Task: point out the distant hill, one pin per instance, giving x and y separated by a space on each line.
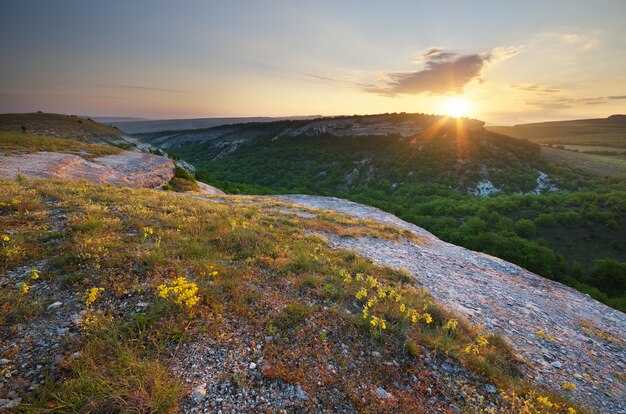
61 126
607 132
595 146
141 126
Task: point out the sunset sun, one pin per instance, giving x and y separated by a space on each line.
456 107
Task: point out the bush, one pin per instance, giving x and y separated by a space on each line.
525 228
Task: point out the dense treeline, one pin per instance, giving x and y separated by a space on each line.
574 236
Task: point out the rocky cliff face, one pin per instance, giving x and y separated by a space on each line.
129 169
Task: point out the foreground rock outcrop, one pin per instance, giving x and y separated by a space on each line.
130 169
569 340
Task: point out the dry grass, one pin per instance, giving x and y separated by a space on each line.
58 125
588 163
15 143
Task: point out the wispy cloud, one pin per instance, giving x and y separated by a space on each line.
565 103
535 88
55 95
146 88
442 73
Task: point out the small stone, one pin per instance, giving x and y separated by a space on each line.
301 394
199 393
55 305
447 367
491 389
4 361
252 365
381 393
8 404
556 364
376 354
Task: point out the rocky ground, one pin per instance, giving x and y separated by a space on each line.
130 169
565 336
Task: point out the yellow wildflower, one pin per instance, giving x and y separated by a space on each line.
402 308
427 318
570 410
5 237
569 386
451 325
481 341
24 288
181 291
34 274
545 401
92 295
361 293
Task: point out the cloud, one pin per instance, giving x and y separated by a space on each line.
146 88
531 87
443 72
323 77
582 41
565 103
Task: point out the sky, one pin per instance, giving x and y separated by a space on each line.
508 62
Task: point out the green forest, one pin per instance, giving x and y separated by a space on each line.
573 235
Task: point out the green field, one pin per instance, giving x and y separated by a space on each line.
606 132
601 165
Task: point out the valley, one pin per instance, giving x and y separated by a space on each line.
469 186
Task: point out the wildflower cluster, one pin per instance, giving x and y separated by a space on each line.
372 292
543 335
147 232
569 386
92 295
534 402
23 288
474 347
181 291
34 274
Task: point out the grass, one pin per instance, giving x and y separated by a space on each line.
16 143
606 166
241 259
58 125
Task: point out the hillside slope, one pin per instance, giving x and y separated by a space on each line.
40 145
594 146
608 132
62 126
147 301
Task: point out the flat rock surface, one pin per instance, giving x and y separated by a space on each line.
564 335
130 169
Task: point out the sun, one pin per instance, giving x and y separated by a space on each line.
456 107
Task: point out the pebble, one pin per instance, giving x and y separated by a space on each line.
381 393
55 305
252 365
491 389
301 394
448 368
199 393
8 404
